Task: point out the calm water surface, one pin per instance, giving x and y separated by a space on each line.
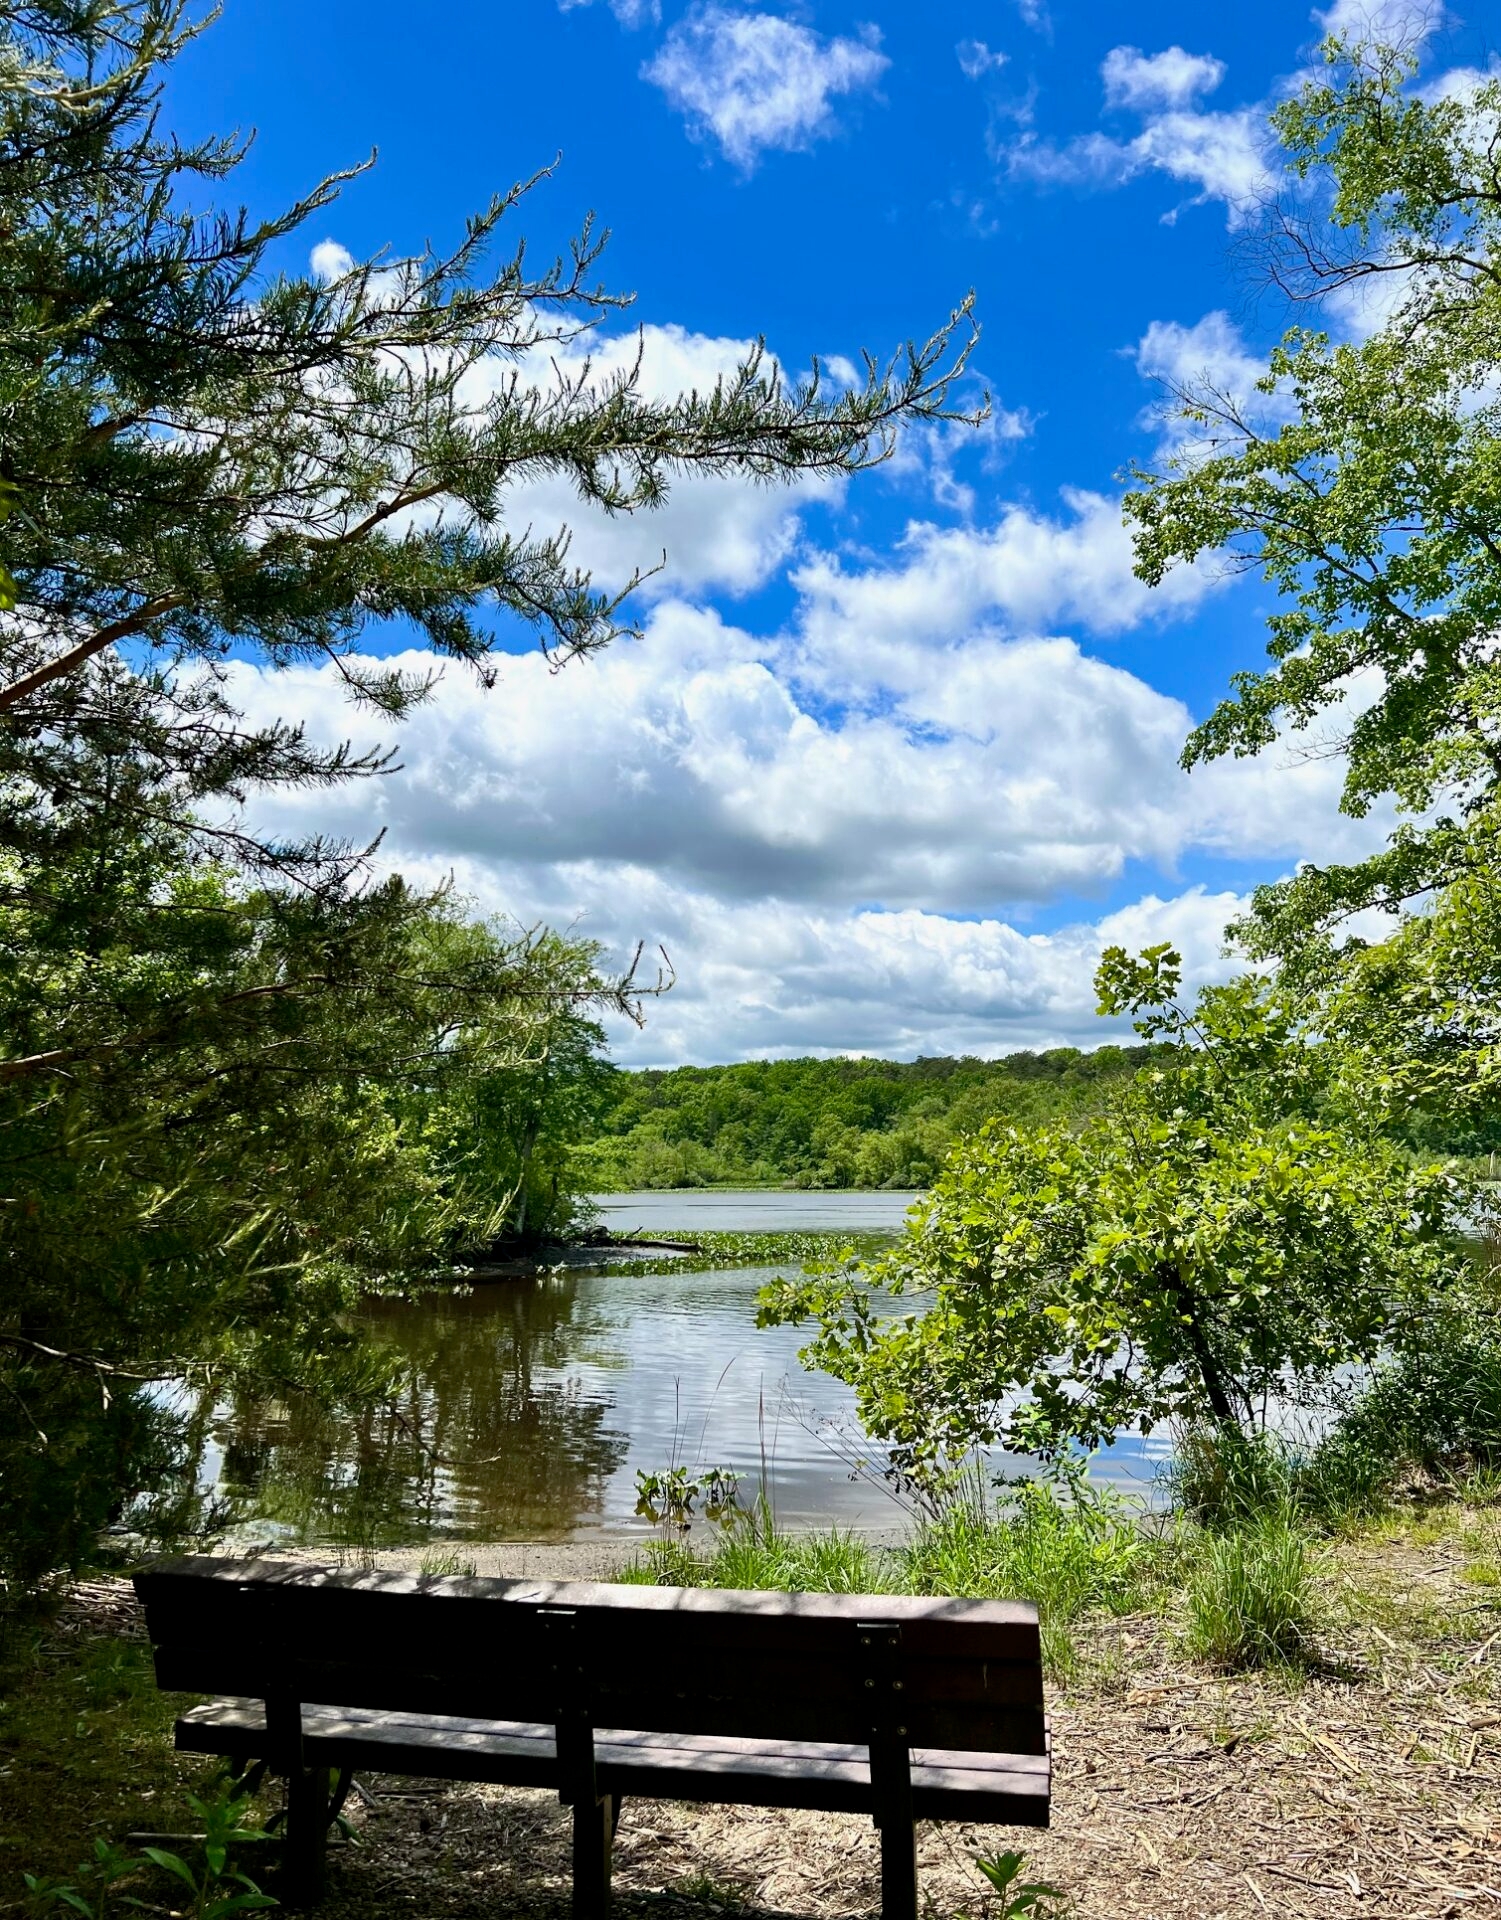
535 1402
750 1212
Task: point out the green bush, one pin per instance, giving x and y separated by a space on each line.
1250 1594
1221 1478
1434 1407
1438 1402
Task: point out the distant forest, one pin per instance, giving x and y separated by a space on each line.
829 1123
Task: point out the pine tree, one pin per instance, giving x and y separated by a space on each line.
212 1046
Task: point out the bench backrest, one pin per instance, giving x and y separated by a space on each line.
846 1668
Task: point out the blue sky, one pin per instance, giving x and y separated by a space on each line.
891 760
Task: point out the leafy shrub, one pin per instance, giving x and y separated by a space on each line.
1438 1402
1020 1900
1250 1594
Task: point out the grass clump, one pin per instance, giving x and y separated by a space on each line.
446 1562
1251 1598
755 1556
1072 1552
1223 1478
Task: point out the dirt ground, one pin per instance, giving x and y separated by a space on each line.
1368 1786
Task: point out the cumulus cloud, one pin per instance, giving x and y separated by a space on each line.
754 81
1211 353
328 261
900 983
1169 79
840 831
1405 23
678 791
1209 359
1224 155
1027 572
716 532
991 774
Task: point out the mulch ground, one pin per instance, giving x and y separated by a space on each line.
1370 1785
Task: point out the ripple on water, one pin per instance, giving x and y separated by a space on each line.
535 1402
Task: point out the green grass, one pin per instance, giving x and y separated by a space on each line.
755 1556
1071 1556
1251 1594
446 1561
85 1748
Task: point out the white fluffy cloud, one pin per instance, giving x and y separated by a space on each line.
328 261
1212 353
1210 359
841 831
1392 22
1223 155
869 624
1172 78
754 80
722 532
775 981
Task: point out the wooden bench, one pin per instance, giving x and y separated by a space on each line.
895 1707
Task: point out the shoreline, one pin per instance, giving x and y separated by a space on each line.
598 1559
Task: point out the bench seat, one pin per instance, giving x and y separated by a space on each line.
897 1706
1001 1788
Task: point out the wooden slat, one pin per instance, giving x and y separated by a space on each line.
1007 1788
997 1629
781 1666
976 1726
295 1575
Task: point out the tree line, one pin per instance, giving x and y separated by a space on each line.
848 1122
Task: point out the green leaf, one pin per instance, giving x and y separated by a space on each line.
171 1863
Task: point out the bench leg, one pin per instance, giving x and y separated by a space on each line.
594 1823
891 1804
304 1845
898 1871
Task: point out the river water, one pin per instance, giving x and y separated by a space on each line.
535 1402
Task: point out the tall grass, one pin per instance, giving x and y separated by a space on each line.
755 1555
1072 1553
1251 1599
1242 1565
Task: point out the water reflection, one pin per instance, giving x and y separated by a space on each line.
495 1438
534 1403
